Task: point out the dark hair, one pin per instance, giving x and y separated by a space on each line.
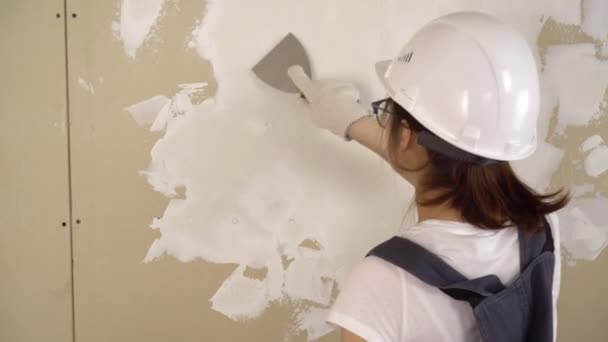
487 196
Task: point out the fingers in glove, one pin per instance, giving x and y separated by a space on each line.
299 77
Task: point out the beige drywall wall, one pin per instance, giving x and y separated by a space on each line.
35 276
114 290
583 302
117 297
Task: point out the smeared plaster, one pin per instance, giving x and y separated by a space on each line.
137 19
584 227
591 143
87 86
260 179
580 81
596 162
595 13
146 111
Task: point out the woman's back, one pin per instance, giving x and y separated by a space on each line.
381 302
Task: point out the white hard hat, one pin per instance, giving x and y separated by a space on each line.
472 81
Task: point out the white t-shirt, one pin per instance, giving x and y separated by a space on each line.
381 302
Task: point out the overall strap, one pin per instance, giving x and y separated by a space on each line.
432 270
418 261
532 245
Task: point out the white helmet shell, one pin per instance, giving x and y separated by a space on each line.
472 81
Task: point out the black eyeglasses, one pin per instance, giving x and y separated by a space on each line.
379 108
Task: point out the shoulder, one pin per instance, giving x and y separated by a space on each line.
370 303
374 268
372 280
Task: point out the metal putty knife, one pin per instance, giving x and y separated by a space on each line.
272 68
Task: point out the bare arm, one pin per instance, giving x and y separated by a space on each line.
367 132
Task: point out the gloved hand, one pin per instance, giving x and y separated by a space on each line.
333 104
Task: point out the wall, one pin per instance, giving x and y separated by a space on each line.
35 266
257 216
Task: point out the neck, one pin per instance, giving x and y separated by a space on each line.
442 211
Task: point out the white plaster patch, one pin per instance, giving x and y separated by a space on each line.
145 112
591 143
596 162
528 16
87 86
547 159
595 18
137 19
579 80
314 321
301 274
197 88
584 227
567 12
579 190
250 296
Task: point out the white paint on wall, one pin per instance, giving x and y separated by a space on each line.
259 179
591 143
547 158
579 190
595 18
584 227
87 86
193 88
596 162
136 23
528 16
267 188
567 12
579 80
313 320
146 111
241 297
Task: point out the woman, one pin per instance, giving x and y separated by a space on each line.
463 102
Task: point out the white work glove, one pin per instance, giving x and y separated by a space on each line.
333 105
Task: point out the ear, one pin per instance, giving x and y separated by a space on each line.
408 138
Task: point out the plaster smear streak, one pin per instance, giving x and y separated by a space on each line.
579 79
137 18
260 181
584 227
597 161
595 13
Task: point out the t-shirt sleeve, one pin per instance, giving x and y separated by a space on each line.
370 304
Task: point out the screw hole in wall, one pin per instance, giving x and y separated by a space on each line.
63 224
58 15
74 15
78 221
